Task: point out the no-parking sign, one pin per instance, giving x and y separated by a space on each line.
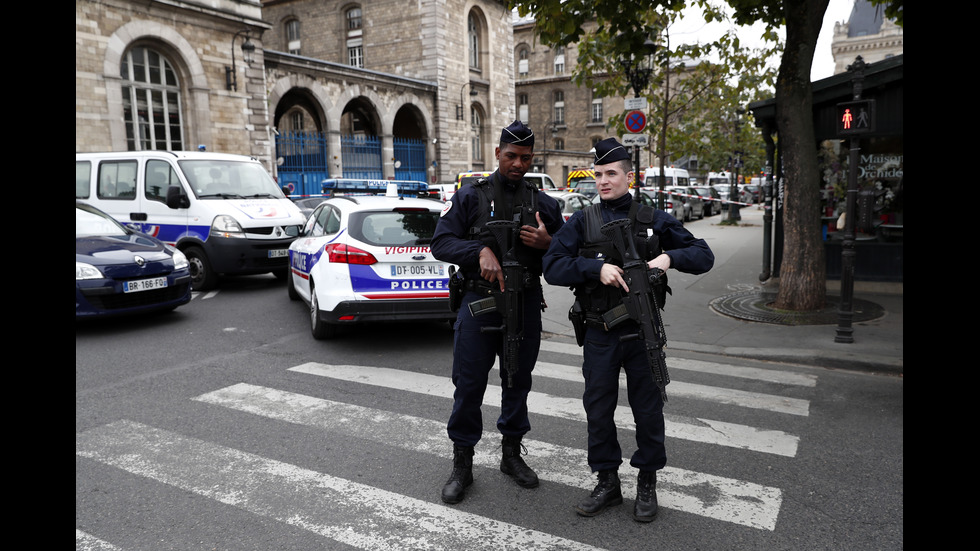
635 121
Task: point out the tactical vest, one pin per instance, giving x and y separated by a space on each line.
496 203
595 297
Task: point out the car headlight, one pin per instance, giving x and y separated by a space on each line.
180 260
87 271
226 226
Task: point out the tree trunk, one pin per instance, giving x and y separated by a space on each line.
803 272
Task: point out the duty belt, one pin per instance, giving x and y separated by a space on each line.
484 288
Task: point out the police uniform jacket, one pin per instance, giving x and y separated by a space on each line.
564 266
452 240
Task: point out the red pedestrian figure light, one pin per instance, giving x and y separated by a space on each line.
848 117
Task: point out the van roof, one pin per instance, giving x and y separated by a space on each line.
163 153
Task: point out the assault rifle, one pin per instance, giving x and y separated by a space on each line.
510 301
640 303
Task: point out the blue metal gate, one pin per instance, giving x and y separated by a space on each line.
362 157
411 154
304 165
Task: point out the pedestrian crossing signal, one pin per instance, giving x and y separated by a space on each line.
855 117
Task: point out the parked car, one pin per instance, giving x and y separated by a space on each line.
750 193
711 199
569 202
542 181
693 205
367 259
578 174
121 271
307 204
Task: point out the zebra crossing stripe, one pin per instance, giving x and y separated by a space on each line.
87 542
707 431
349 512
730 396
735 501
745 372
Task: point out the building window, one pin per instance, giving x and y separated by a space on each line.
474 41
151 102
522 108
476 130
296 120
595 140
596 109
560 60
522 62
559 144
292 37
355 40
559 112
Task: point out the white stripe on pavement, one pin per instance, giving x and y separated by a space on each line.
756 400
686 428
731 500
769 375
355 514
88 542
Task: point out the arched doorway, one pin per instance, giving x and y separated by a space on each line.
301 146
360 140
409 143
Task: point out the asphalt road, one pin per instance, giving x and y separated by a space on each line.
225 425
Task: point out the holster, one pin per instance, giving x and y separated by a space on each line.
576 315
455 289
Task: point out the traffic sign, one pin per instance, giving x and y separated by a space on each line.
855 117
636 139
635 121
635 103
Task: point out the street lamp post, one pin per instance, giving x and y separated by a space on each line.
733 213
638 73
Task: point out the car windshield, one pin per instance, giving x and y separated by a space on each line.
393 228
90 223
223 179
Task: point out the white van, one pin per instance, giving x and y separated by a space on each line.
225 212
675 177
542 181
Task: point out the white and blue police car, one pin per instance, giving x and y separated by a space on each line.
366 258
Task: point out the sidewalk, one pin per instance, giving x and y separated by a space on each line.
692 324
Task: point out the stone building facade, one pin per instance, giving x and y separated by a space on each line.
866 33
434 72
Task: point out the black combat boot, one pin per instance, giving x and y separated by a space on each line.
462 475
511 463
646 507
605 494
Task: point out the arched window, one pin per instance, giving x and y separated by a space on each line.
474 42
151 101
292 36
522 62
476 131
355 38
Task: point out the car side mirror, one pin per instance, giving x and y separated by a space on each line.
176 198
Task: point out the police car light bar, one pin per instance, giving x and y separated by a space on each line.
354 186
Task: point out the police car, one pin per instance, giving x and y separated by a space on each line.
366 258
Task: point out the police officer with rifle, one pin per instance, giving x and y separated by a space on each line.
496 230
615 255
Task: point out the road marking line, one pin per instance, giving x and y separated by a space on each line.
354 514
731 500
687 428
769 375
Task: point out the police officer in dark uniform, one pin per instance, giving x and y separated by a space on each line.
582 257
462 239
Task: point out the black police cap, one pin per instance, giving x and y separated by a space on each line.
518 134
609 151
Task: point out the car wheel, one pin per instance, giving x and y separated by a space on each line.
318 327
203 277
291 287
701 214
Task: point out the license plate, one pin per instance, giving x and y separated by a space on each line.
144 285
276 253
418 270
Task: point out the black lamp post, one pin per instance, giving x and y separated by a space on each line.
460 108
733 213
231 76
638 71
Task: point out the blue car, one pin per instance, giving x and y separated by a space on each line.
120 271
